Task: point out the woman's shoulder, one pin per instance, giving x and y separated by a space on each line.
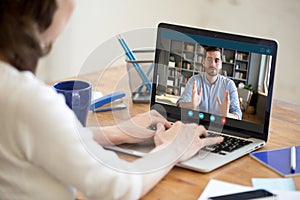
16 80
24 91
29 86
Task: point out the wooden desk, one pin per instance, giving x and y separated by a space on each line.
185 184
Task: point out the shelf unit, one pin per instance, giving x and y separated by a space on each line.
235 65
185 60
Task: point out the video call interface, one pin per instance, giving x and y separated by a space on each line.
182 56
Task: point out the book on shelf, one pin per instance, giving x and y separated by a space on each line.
175 82
243 66
200 49
187 65
173 72
239 75
190 47
242 56
188 56
200 59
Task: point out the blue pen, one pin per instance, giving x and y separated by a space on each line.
293 159
138 68
131 56
148 73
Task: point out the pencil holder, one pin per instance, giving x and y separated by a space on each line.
140 72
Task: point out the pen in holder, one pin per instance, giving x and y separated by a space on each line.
140 87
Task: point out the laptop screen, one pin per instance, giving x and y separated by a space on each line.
220 80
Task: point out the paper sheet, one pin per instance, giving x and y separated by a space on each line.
216 188
274 184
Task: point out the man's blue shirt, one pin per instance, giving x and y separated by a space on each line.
210 92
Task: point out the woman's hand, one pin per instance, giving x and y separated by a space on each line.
136 129
184 138
142 126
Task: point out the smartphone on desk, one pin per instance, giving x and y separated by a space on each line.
260 194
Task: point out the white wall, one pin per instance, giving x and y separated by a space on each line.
96 22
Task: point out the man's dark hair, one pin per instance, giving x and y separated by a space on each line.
21 25
211 48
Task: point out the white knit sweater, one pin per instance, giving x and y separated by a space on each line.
41 153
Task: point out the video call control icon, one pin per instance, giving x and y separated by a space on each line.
223 120
201 115
190 113
212 118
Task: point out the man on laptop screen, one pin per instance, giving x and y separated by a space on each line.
210 91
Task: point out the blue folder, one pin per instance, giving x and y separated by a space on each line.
279 160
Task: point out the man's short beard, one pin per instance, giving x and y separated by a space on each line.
212 73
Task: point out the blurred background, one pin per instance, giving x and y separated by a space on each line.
97 22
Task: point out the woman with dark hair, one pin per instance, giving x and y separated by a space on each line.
41 154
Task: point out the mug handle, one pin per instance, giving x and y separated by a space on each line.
75 99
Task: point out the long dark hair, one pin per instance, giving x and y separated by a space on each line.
21 25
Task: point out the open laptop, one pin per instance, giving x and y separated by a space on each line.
248 61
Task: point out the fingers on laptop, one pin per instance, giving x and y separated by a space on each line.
212 140
162 136
202 131
156 117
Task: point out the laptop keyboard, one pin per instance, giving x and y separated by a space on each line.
228 145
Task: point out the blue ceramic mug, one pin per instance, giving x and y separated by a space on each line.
78 96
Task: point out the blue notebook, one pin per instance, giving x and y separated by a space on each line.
279 160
